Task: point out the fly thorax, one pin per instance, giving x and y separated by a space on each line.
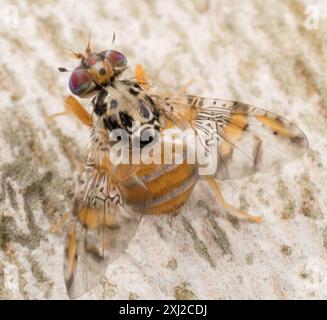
126 110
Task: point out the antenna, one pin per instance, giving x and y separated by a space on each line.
113 38
88 50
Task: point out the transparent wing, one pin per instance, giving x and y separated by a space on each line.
248 139
100 227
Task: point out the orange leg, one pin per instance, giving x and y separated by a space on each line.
233 211
141 77
73 107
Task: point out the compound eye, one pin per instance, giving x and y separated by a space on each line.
116 59
80 82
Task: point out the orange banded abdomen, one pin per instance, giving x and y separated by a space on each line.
160 189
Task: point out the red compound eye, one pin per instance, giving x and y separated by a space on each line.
116 59
80 82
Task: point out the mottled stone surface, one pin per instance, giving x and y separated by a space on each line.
260 52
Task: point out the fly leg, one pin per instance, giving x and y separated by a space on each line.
141 77
233 211
73 107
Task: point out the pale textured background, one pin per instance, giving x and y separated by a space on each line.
256 51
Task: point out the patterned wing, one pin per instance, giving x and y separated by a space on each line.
100 228
247 139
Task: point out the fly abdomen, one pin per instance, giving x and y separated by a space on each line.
168 187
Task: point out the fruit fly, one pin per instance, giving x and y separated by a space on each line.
112 197
95 70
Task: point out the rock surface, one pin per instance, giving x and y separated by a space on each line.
267 53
